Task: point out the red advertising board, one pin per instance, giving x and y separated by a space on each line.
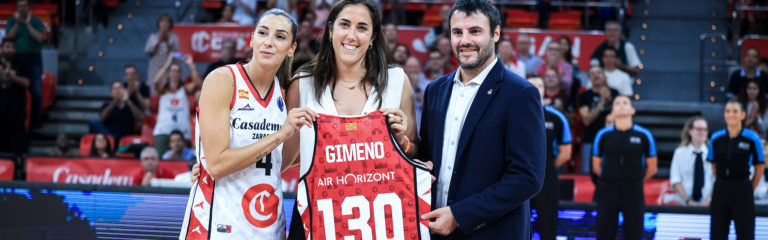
98 171
6 169
290 179
755 41
204 41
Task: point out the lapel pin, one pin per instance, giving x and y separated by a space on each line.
490 91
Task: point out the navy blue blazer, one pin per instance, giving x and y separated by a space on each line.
500 159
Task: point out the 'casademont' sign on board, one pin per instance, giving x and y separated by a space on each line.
98 171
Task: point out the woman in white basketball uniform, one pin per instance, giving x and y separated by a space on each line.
242 123
350 77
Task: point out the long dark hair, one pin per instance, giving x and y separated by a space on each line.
284 72
323 66
762 102
568 56
94 152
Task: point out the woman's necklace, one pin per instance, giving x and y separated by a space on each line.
354 85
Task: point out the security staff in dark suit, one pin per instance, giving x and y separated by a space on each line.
558 152
733 151
483 127
624 156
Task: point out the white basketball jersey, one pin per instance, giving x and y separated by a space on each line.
246 204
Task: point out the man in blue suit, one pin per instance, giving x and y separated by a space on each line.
483 128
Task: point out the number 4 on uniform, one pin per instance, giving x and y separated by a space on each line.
266 164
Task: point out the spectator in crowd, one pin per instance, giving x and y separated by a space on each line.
228 55
554 93
436 66
390 34
444 46
173 109
763 65
624 156
321 8
160 46
178 148
227 13
101 146
690 176
748 71
309 16
119 116
525 54
733 151
288 6
62 149
565 47
555 60
245 11
753 97
617 79
594 106
419 83
439 30
150 169
630 62
138 91
307 46
13 98
27 31
400 54
507 56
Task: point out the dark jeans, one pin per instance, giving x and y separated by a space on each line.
13 137
31 66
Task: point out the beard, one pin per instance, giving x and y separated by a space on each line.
482 57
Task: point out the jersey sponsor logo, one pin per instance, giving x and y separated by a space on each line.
246 108
743 146
354 152
549 125
280 103
224 228
239 124
350 126
260 205
242 94
635 140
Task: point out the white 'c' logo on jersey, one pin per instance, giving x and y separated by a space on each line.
260 205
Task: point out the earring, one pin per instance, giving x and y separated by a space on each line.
371 45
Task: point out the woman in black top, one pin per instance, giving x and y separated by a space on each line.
733 151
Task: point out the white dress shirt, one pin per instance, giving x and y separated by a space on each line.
458 107
681 170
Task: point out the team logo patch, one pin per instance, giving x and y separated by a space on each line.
744 146
635 140
350 126
260 205
242 94
280 103
175 102
549 125
246 108
224 228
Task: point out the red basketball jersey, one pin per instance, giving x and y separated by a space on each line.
361 184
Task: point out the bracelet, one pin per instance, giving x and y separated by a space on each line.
407 144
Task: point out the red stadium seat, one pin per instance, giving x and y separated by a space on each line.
87 140
49 91
148 127
7 168
154 102
517 18
211 4
568 20
110 3
135 139
192 130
